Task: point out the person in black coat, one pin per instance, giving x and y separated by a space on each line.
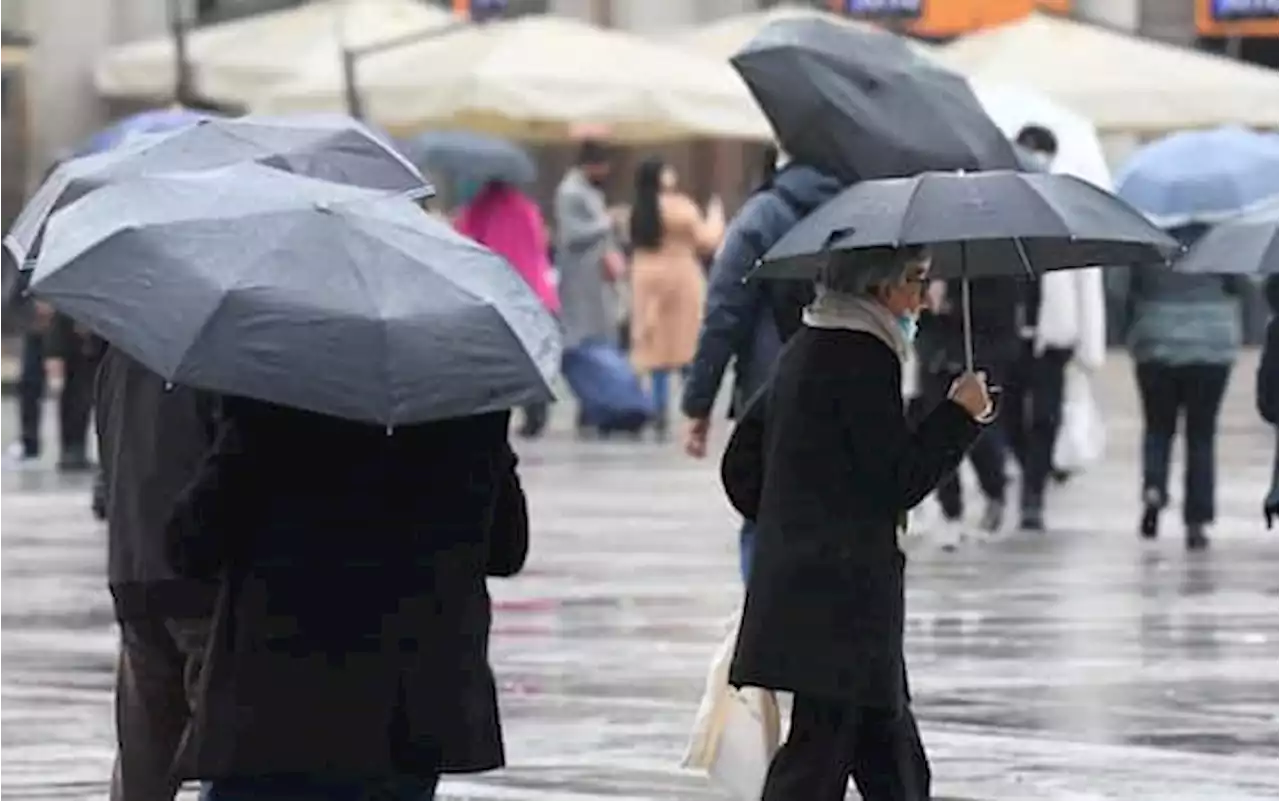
1267 393
152 440
348 651
827 467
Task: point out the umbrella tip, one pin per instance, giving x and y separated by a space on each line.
390 430
168 386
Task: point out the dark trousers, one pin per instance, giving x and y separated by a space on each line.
74 404
1031 414
155 686
1194 393
830 741
987 454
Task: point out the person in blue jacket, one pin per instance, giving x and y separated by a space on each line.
738 322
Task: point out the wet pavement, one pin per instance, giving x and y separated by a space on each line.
1083 664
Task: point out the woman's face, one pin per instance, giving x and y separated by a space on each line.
905 298
668 180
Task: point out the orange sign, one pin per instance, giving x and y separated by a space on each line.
1229 18
946 18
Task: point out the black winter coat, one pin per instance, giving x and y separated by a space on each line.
833 470
350 639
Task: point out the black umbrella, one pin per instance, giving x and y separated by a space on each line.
860 104
471 158
251 281
1245 245
975 224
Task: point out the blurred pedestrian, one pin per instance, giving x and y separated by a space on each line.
505 220
348 654
1063 320
669 234
827 466
1184 334
738 323
152 439
995 309
588 255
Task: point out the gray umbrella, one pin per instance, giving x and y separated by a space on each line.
250 281
470 158
1245 245
860 104
332 147
975 224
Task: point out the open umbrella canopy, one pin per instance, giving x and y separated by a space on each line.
249 281
976 224
536 78
1121 82
332 147
154 121
470 158
724 37
232 62
861 104
1244 245
1202 176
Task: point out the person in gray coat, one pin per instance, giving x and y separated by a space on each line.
1184 333
738 321
587 252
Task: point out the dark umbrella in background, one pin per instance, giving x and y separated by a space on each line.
975 224
471 159
1244 245
251 281
860 104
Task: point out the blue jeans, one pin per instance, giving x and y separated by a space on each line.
302 788
746 548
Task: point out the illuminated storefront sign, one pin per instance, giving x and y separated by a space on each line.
1231 18
947 18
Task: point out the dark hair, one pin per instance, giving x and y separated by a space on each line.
593 151
1038 138
646 219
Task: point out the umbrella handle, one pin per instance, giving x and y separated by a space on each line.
965 313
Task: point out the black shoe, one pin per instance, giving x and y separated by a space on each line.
1033 518
1197 540
1149 526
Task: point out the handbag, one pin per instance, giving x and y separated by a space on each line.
737 731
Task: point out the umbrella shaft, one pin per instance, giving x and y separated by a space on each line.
965 312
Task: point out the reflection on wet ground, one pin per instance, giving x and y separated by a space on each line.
1083 664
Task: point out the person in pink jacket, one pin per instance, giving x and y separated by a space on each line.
508 222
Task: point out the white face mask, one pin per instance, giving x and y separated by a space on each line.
1041 160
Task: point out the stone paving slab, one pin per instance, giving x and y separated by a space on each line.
1079 666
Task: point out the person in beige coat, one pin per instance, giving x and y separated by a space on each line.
669 236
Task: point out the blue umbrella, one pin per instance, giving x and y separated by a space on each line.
1202 176
154 121
471 159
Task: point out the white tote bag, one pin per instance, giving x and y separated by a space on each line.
1082 438
737 731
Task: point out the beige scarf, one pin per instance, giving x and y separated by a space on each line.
836 310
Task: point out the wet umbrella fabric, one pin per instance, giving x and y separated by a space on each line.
330 147
250 281
154 121
1245 245
860 104
976 224
1202 176
472 159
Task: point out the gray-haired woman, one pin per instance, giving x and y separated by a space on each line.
826 466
